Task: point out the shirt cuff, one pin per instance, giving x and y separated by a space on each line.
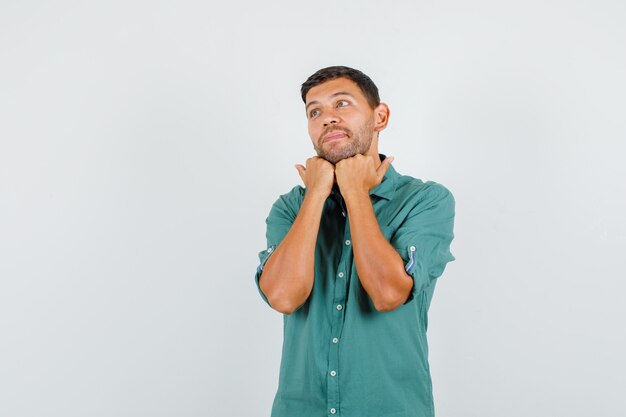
424 273
263 257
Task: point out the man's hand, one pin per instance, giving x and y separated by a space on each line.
359 174
318 176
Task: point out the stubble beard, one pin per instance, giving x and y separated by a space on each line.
355 143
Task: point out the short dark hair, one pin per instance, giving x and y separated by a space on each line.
365 83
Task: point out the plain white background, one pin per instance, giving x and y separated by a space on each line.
142 144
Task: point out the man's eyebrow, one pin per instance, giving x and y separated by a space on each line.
334 95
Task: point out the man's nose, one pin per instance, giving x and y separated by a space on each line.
331 118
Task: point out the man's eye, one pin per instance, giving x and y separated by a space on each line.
342 101
314 112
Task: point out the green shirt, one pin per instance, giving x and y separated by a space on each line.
341 357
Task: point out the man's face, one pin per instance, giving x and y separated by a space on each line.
341 122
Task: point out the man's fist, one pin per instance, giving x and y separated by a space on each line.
359 174
318 176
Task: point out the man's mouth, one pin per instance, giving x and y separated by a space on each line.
334 136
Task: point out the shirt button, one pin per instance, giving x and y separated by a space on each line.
270 250
412 248
347 242
333 411
340 275
335 340
333 373
339 306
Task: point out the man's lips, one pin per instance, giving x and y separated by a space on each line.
334 136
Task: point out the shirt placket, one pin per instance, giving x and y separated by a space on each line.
342 273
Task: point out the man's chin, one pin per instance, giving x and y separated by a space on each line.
334 159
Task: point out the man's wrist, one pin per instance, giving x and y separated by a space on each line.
356 195
316 195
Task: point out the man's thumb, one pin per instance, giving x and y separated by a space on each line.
301 171
382 169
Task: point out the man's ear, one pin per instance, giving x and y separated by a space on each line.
381 117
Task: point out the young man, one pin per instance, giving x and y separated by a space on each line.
351 261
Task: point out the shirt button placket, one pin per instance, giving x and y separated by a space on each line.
337 318
333 360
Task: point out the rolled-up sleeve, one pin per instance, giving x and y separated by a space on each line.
423 240
278 222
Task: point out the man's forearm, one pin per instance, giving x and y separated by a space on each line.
287 279
379 266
